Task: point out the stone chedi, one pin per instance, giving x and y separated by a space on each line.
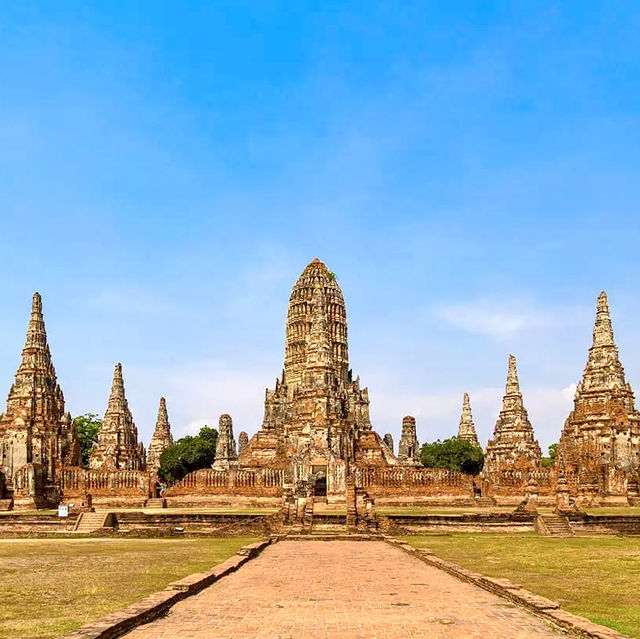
466 427
388 440
243 441
316 419
513 445
161 439
36 434
118 446
600 442
408 447
226 454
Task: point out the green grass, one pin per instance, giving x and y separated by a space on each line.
614 511
595 577
51 587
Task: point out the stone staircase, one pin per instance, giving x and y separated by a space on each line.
154 502
91 521
484 502
554 525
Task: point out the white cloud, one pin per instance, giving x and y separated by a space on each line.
503 319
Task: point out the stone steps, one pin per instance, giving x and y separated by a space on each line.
484 502
554 525
90 522
155 503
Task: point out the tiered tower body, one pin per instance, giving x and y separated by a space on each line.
118 446
408 447
226 454
600 442
514 445
466 428
317 412
36 434
161 439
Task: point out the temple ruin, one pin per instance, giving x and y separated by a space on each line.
316 440
599 451
466 427
118 446
161 439
35 431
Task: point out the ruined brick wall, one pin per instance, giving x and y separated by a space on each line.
76 482
380 482
513 483
234 481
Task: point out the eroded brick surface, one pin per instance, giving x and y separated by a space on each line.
343 589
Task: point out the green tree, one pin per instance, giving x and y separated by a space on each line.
87 427
454 454
188 454
549 461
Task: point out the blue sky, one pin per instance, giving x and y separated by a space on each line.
470 170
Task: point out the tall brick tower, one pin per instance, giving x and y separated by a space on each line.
600 442
36 434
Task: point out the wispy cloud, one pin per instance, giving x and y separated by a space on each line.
502 319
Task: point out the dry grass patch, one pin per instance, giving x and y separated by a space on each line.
443 510
49 587
595 577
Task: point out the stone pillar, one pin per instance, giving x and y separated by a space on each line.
243 442
226 455
563 503
388 440
408 448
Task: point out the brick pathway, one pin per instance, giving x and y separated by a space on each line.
342 589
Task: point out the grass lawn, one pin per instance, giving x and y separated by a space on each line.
49 587
595 577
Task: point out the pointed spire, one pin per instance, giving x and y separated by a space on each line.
163 418
117 397
36 333
36 401
602 330
118 444
513 385
466 428
161 439
513 443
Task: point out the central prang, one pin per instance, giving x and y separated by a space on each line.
317 415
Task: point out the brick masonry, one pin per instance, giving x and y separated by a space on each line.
343 589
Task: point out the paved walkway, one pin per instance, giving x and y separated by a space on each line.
342 589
